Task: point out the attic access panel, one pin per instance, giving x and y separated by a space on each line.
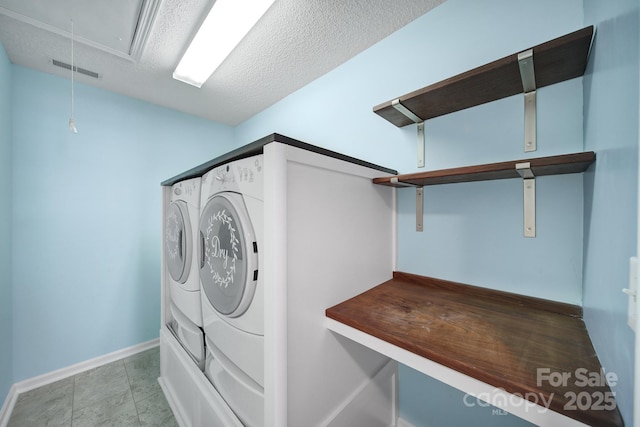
115 26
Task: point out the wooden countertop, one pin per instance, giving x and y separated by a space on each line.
499 338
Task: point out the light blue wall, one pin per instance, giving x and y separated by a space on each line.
611 187
86 217
473 232
427 402
6 375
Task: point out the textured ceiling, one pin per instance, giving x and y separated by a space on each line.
294 43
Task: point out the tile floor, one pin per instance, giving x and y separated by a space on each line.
123 393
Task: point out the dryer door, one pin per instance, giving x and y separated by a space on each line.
177 241
228 254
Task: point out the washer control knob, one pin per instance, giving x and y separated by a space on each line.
177 191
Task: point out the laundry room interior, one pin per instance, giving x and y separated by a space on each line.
83 230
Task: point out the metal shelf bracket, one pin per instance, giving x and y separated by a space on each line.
409 114
529 197
419 208
528 76
419 200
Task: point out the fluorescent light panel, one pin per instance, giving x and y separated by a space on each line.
225 26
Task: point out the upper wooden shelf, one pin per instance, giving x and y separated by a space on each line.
552 165
497 338
555 61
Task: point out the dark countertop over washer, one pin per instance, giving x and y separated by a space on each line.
257 147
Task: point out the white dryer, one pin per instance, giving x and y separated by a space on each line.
230 257
180 255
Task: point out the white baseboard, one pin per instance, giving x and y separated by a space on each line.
59 374
7 407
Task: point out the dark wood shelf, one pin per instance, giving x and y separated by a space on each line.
555 61
552 165
498 338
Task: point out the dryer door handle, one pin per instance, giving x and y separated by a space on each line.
180 245
201 249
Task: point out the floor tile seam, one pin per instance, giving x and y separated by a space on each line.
149 398
92 388
114 401
135 404
153 396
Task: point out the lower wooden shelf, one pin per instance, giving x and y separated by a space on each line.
529 356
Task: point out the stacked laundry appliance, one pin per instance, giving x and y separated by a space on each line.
284 230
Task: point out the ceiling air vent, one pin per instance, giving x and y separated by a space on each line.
79 70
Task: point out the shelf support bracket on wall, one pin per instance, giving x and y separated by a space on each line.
419 200
529 205
528 76
408 113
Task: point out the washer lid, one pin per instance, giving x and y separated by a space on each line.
177 241
228 254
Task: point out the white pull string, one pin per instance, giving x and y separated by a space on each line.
72 122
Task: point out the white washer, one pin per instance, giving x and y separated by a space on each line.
180 254
230 256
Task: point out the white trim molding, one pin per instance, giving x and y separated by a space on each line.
148 13
7 407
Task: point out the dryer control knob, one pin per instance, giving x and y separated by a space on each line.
177 191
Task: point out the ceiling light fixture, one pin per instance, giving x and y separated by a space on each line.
227 23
